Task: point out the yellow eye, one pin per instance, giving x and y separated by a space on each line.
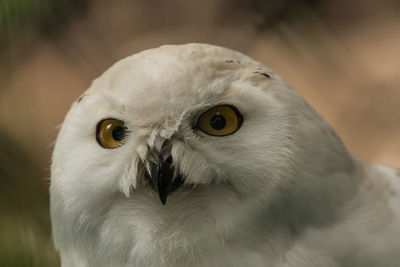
220 120
111 133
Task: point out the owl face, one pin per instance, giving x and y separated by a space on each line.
177 120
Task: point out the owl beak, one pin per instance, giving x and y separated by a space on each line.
163 177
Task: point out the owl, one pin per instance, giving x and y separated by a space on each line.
197 155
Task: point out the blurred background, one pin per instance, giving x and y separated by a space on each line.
343 56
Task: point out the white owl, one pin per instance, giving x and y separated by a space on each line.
197 155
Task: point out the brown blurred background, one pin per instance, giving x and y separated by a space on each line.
342 56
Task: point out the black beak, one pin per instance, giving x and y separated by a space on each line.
163 177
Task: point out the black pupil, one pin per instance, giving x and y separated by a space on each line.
217 122
118 133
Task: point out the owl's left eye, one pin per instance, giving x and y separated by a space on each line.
111 133
220 120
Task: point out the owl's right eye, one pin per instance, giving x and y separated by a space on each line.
111 133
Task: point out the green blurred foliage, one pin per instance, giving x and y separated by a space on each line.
39 17
25 235
265 15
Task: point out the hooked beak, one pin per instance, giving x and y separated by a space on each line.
163 177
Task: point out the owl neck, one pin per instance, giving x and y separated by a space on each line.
324 178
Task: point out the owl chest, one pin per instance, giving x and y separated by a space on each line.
201 243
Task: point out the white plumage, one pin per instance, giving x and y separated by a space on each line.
278 190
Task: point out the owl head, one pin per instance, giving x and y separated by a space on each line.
184 123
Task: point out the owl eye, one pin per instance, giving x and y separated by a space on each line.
111 133
220 120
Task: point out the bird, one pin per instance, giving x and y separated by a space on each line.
198 155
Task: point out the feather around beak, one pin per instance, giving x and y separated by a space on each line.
162 176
